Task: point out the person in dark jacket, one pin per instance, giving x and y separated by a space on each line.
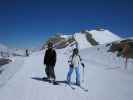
50 61
27 53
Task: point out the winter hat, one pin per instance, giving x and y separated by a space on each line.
75 51
50 44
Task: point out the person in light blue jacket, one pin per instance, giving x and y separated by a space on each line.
74 61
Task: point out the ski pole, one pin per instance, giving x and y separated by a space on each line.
83 75
83 71
126 61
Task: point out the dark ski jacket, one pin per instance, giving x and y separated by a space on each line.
50 57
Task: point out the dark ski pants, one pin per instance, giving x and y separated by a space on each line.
50 71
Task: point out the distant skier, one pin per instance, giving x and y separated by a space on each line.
74 61
27 53
50 61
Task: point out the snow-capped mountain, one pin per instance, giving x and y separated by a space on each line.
89 38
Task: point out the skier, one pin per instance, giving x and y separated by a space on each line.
50 61
27 53
74 61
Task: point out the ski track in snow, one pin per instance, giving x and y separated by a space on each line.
102 84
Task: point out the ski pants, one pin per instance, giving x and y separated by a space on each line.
50 71
77 74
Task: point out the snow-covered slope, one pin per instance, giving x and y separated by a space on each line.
18 52
8 70
5 51
105 78
66 36
81 40
103 36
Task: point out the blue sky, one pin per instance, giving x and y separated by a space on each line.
28 23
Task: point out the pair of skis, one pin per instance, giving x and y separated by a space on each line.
81 87
72 86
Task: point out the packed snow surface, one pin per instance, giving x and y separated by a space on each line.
105 78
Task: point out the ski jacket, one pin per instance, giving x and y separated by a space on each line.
50 57
75 60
